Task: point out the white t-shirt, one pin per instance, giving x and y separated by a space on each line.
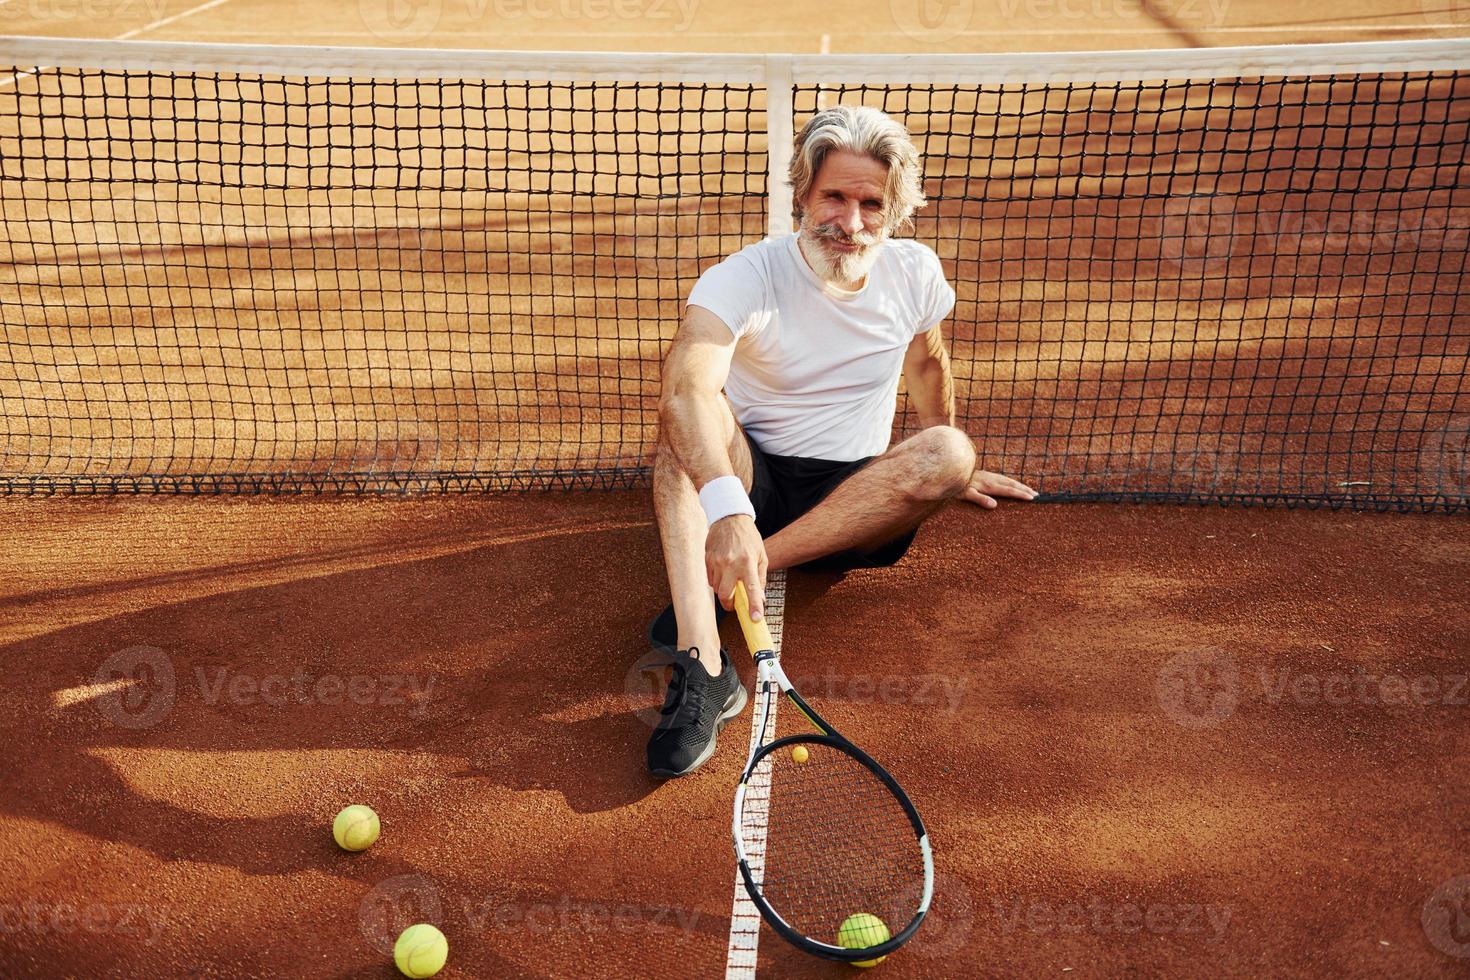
816 368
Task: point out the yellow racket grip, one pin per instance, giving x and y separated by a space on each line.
757 635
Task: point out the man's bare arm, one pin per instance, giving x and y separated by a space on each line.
689 408
930 384
928 378
693 420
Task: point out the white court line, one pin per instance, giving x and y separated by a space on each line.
14 77
745 922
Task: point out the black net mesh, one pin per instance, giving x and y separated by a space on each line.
1210 290
1223 289
245 282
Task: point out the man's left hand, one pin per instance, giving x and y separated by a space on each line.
986 486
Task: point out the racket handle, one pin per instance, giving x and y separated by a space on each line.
757 635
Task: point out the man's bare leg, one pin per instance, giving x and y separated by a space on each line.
682 527
884 499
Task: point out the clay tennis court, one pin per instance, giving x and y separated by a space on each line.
1146 739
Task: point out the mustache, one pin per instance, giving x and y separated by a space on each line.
862 239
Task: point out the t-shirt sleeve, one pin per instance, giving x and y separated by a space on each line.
936 295
735 291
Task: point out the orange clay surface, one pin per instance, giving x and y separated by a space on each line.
1118 721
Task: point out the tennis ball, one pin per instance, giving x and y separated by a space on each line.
420 951
355 828
861 930
799 754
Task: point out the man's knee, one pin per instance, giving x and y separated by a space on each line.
944 459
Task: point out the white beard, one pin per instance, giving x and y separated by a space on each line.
840 268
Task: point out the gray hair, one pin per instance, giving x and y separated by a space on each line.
860 129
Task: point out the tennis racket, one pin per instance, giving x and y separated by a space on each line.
826 839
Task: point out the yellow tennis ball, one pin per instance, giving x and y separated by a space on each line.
799 754
861 930
420 951
355 828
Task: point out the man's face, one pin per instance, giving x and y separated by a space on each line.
842 226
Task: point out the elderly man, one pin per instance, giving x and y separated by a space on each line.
807 336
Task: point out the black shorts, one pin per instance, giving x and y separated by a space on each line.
785 487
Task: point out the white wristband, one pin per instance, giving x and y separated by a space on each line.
724 497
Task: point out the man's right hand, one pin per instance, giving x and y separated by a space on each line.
734 552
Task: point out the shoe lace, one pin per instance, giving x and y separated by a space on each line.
683 700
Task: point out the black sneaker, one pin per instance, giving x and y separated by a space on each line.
663 632
695 708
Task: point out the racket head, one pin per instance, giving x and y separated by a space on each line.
840 837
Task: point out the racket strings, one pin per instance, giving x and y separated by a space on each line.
837 843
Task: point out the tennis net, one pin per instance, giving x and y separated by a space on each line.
1229 275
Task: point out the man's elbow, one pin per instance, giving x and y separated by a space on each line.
677 398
